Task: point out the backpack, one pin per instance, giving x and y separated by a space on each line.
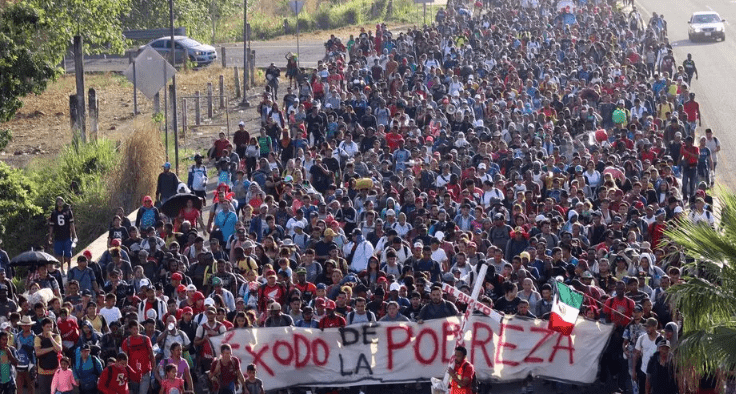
474 383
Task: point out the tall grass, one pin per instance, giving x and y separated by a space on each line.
141 158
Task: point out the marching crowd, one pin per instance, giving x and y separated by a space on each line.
548 140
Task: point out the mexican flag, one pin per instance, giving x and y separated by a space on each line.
565 309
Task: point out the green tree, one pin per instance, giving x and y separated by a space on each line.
26 65
35 34
707 298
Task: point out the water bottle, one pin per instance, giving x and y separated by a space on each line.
74 242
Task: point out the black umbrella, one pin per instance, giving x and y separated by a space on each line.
32 258
173 205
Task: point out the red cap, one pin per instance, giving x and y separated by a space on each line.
177 276
187 309
87 254
115 242
181 289
329 304
381 279
319 302
270 273
198 296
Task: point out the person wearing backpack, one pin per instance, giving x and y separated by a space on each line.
8 359
87 369
142 359
115 377
24 341
462 374
210 328
360 314
197 177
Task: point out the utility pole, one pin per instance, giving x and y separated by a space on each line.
245 103
173 88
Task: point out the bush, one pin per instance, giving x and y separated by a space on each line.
20 217
5 137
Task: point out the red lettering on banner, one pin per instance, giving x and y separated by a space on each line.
570 348
228 337
449 328
547 334
257 358
393 345
283 361
317 343
299 341
418 344
477 342
502 344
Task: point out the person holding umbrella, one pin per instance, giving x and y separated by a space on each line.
62 232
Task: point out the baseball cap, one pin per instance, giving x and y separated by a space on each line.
187 309
181 289
321 286
241 123
274 307
176 276
191 288
167 165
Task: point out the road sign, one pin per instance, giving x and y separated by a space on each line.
148 73
296 6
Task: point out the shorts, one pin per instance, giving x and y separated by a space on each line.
63 248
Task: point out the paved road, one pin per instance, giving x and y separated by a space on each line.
266 52
716 86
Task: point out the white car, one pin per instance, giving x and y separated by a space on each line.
706 25
195 51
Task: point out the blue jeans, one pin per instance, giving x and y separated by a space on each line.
142 387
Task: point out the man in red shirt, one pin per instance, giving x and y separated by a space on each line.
461 375
142 359
689 163
114 379
332 319
620 308
692 109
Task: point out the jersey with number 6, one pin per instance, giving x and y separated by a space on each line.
61 221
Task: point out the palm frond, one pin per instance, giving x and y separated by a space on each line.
702 303
707 351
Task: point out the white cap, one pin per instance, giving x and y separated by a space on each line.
394 286
678 210
191 288
390 212
209 301
241 123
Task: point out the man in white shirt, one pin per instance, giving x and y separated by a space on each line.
360 249
644 349
701 215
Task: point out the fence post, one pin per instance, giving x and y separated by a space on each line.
94 113
73 112
183 116
223 51
197 108
237 83
252 67
209 100
130 57
222 91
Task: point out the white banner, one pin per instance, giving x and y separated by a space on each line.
501 349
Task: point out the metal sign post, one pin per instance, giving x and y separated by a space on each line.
296 7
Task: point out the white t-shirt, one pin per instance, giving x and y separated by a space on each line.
647 347
111 314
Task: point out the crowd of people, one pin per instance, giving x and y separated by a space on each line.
552 143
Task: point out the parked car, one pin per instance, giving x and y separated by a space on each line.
707 25
195 51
